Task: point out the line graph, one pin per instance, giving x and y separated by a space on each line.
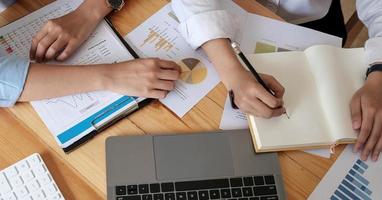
78 102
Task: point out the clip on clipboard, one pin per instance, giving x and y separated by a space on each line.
100 124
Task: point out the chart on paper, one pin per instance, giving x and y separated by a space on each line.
159 37
350 178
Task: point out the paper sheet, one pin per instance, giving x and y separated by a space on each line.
158 37
235 119
103 46
350 178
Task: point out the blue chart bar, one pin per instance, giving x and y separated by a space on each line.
354 185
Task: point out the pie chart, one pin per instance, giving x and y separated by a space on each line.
193 71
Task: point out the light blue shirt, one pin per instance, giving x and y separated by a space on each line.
13 73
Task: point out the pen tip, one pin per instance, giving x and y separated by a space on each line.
287 115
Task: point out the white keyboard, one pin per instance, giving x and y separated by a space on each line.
28 179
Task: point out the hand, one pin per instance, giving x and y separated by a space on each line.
60 37
366 114
252 98
151 78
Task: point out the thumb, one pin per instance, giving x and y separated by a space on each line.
356 112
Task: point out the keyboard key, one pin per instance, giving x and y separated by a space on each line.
201 185
44 179
143 189
147 197
247 192
132 189
55 197
254 198
269 198
9 196
38 195
203 195
134 197
22 166
158 197
248 181
225 193
40 169
264 190
214 194
169 196
4 186
192 195
34 161
120 190
11 172
236 192
243 198
181 196
236 182
154 188
27 176
16 181
259 180
50 190
167 187
21 191
269 180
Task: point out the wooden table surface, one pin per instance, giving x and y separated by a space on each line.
81 174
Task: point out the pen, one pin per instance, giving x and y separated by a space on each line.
237 50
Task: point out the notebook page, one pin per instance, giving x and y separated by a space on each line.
306 124
60 114
338 73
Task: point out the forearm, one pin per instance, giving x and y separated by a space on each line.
226 63
49 81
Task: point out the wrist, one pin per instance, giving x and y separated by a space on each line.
94 10
101 77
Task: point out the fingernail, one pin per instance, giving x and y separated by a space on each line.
375 158
356 125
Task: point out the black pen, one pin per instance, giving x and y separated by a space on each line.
237 50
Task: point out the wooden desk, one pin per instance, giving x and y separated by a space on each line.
81 174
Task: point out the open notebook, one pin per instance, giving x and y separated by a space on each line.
319 83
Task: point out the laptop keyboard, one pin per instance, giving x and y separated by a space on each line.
239 188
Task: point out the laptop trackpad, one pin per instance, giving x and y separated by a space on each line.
193 156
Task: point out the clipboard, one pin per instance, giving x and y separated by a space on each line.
107 117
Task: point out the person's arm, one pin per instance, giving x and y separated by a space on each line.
23 81
60 37
151 78
366 104
203 24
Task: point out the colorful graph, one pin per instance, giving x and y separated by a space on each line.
193 71
160 38
354 186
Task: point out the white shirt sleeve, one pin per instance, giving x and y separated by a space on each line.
370 13
202 21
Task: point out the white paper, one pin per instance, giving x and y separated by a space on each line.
158 37
103 46
350 176
232 119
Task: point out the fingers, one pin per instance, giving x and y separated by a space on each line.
372 140
35 41
377 150
172 75
274 85
267 98
169 65
43 46
356 112
164 85
55 48
156 94
258 108
69 50
366 127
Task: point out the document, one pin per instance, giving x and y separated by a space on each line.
350 178
158 37
68 117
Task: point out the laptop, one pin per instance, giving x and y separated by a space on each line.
219 165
